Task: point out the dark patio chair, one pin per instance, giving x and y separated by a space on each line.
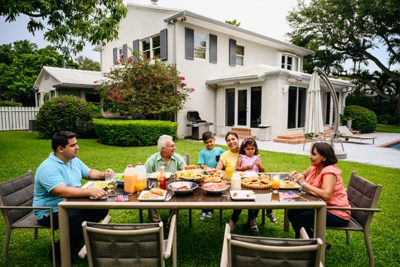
140 244
16 198
363 197
240 250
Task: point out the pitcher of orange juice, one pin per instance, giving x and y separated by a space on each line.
228 171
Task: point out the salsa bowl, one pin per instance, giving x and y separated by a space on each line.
182 188
215 188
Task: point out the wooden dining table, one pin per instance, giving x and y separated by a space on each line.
199 199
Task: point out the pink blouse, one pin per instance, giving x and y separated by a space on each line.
339 196
246 160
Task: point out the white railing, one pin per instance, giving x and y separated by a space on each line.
16 118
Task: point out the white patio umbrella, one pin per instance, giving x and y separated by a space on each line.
314 123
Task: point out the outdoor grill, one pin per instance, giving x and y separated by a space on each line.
198 125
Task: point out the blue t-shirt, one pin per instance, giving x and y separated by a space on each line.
208 157
51 173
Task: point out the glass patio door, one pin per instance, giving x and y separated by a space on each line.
242 107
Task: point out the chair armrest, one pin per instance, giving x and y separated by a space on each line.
25 208
171 237
351 208
224 254
303 233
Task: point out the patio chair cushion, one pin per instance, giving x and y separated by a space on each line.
242 256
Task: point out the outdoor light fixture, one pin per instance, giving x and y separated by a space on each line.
236 83
285 89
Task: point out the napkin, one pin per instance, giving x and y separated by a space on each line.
122 198
289 195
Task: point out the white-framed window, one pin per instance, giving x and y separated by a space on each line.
240 55
151 46
200 45
290 62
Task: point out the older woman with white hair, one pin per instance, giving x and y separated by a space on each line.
166 157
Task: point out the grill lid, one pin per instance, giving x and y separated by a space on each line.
193 116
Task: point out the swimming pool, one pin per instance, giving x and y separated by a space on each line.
395 144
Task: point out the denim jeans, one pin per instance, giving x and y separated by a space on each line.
75 217
305 218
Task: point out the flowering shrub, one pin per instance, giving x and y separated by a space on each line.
143 88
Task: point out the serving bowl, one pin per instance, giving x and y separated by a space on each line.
182 188
214 188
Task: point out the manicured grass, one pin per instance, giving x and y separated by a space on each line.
201 245
387 128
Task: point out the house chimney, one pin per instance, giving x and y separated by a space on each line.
154 2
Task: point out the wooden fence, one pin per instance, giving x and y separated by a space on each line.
16 118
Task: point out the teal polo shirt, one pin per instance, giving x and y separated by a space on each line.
155 161
51 173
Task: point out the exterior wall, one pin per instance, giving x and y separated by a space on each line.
139 23
45 86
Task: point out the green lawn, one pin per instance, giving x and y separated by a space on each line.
387 128
201 245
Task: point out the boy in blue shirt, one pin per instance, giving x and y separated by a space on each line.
208 159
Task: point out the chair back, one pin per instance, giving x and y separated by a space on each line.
124 244
343 130
263 251
186 159
16 192
362 194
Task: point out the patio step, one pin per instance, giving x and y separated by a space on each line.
290 139
243 133
294 138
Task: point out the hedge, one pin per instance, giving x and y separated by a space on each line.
6 103
364 120
132 132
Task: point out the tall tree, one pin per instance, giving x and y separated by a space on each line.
233 22
85 63
20 65
69 25
351 30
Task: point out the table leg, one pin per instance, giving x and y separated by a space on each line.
64 237
285 221
320 231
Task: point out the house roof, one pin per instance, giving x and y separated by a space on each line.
209 23
70 77
261 72
190 17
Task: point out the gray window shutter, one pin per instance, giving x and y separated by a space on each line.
115 55
213 48
164 44
189 43
125 51
135 47
232 52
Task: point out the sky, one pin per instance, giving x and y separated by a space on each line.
267 17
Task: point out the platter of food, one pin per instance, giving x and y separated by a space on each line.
96 184
191 175
182 188
155 194
289 185
215 188
258 182
119 177
242 195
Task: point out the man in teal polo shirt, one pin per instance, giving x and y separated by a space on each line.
59 177
165 157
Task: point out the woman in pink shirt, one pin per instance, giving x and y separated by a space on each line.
323 180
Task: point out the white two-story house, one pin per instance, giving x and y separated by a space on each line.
242 79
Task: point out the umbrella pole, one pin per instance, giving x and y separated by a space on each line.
342 154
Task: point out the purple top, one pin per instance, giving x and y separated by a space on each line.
246 160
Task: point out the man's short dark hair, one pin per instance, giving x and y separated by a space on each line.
326 151
207 135
61 139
